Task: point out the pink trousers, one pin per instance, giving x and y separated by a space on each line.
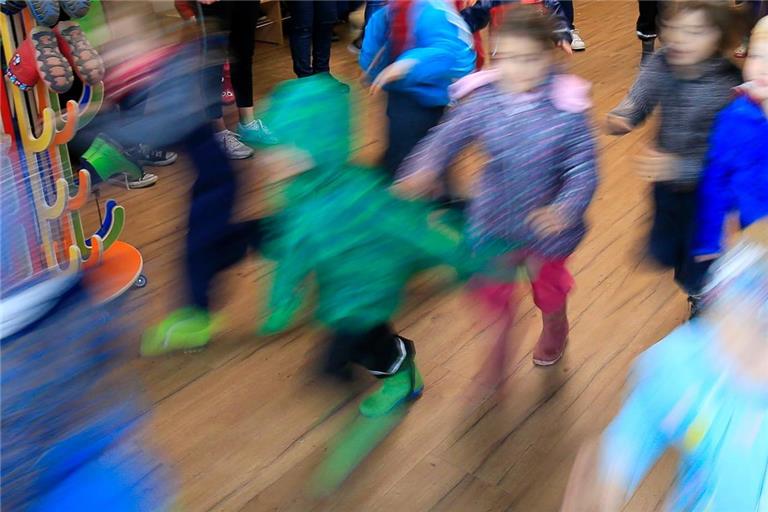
550 280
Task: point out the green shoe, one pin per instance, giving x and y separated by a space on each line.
403 386
256 133
186 329
107 159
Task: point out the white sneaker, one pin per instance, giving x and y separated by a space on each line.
577 43
230 143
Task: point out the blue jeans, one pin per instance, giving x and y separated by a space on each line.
311 32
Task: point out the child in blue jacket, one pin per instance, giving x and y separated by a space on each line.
415 49
736 176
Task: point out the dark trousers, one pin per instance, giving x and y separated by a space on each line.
236 20
567 7
311 32
674 226
409 122
646 21
213 242
379 350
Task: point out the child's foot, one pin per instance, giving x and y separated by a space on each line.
147 179
145 155
577 43
395 390
187 329
106 158
231 145
554 337
256 132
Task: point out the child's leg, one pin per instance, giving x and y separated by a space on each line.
322 34
409 122
690 274
496 299
302 16
674 226
551 286
213 243
242 40
387 356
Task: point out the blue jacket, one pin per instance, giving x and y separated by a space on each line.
440 42
736 175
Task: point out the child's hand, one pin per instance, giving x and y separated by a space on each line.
392 73
617 125
419 184
565 46
654 165
547 221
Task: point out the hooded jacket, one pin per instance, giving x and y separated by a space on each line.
541 152
340 222
736 175
438 40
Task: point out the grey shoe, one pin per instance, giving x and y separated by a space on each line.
146 155
232 146
577 43
123 180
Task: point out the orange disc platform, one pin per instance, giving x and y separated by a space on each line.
118 271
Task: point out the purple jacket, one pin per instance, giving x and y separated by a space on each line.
541 152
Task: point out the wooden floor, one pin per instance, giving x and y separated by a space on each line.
242 425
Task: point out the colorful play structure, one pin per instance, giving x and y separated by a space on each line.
36 132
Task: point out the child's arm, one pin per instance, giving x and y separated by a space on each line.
437 150
562 27
374 43
715 196
286 294
579 181
641 100
445 47
409 222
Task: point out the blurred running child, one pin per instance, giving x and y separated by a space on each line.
736 175
701 391
533 123
690 80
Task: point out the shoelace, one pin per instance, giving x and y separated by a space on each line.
263 127
232 140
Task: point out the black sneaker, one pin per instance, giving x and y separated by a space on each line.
145 155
